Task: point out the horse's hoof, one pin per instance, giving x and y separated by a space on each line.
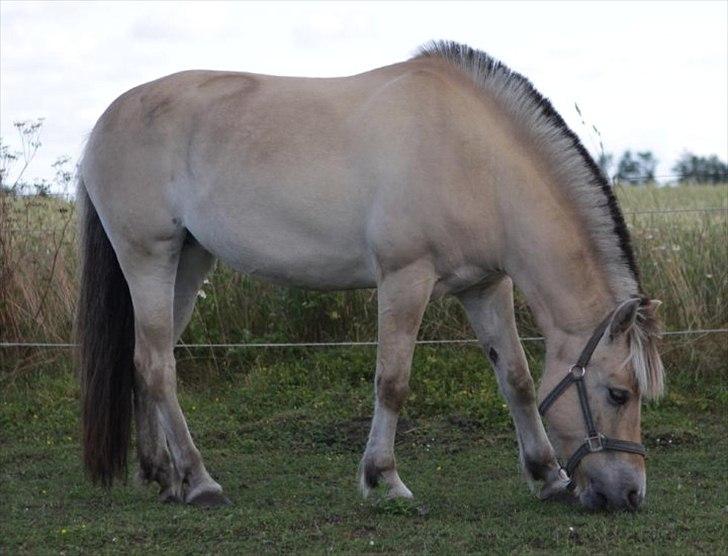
400 491
209 499
557 491
170 495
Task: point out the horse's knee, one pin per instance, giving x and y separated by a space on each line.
521 386
392 391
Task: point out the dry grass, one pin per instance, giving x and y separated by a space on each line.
683 258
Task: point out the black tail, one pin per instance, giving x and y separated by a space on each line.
105 334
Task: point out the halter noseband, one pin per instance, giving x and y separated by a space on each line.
594 441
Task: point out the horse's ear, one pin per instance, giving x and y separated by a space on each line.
624 317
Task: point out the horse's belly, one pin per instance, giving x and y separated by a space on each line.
309 269
266 245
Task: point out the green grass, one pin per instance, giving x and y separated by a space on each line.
283 432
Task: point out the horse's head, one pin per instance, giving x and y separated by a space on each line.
602 378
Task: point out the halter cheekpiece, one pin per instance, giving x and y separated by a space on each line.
594 441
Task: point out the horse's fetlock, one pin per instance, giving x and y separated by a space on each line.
373 465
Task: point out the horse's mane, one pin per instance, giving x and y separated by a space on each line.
582 179
584 184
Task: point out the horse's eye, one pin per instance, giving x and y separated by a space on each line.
618 396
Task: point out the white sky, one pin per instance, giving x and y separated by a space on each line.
650 75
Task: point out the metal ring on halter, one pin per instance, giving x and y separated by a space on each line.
581 374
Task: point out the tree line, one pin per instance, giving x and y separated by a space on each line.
638 167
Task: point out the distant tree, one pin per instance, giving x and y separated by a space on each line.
605 161
636 168
700 169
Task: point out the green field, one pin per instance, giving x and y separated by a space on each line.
284 433
283 429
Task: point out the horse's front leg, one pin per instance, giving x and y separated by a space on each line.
402 298
490 312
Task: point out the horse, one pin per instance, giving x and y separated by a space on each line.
445 174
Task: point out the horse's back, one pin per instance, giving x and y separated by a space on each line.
288 178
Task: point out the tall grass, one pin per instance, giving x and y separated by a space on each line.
683 257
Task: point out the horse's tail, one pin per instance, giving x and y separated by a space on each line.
105 336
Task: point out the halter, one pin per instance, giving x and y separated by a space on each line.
594 441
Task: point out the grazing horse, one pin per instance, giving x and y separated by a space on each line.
444 174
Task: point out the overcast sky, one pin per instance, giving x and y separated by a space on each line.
650 75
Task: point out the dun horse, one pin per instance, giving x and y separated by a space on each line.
447 174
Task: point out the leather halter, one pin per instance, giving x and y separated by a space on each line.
594 441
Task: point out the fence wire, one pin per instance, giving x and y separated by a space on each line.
61 345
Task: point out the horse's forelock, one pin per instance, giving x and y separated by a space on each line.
646 362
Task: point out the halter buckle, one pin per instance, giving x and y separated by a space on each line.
577 371
595 443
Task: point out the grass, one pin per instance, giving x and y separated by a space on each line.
284 432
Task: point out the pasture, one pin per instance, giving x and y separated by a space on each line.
283 429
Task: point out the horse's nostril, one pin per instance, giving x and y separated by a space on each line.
594 500
634 500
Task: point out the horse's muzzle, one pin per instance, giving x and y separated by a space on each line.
628 496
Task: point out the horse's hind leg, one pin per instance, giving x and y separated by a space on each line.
490 312
402 298
194 264
155 462
166 447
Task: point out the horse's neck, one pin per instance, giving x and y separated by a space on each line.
552 261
